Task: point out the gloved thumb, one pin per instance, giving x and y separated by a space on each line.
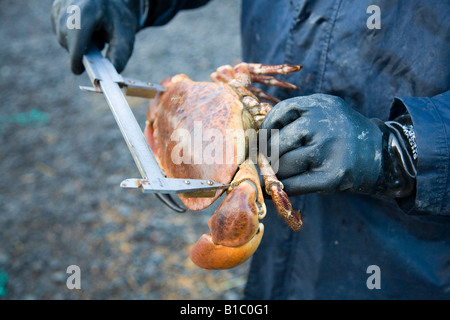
121 37
120 47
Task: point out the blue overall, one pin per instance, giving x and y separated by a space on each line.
357 246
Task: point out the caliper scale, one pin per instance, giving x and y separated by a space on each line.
110 83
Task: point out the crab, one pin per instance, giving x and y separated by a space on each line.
227 106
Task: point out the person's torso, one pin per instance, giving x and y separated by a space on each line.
407 56
344 235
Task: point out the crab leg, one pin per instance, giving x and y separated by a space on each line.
281 200
258 68
243 74
263 95
272 81
223 74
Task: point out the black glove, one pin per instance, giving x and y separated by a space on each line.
102 21
326 146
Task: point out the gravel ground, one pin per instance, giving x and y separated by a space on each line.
63 157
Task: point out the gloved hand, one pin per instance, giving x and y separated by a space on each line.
102 21
326 146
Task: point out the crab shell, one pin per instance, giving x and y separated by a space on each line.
188 107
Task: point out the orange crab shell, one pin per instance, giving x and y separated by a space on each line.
212 106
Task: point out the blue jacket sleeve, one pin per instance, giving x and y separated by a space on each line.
431 121
162 11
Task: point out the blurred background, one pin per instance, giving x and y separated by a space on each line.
63 157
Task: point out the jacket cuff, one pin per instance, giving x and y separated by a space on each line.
431 121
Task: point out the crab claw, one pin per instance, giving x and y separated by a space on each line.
208 255
235 228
